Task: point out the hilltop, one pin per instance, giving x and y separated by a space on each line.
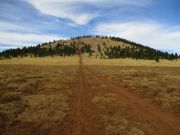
99 47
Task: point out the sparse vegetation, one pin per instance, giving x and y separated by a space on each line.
159 84
28 99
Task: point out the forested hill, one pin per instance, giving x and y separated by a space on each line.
92 46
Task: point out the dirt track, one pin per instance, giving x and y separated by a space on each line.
83 111
86 117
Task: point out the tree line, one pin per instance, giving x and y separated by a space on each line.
40 51
46 49
137 51
133 50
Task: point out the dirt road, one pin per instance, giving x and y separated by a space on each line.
83 112
121 112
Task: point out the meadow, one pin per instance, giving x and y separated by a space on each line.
160 85
55 95
33 96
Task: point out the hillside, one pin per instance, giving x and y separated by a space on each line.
93 47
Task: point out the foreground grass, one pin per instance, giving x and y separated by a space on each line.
31 96
35 92
115 115
160 85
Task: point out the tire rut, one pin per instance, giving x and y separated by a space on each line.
166 123
83 119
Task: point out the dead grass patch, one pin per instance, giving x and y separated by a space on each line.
112 120
171 89
159 84
136 131
11 96
2 123
44 108
34 94
130 62
74 60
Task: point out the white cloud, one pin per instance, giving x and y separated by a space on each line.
18 39
72 9
14 35
6 26
148 33
27 37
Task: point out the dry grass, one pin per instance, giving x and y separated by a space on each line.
44 108
34 95
11 96
159 84
113 113
38 90
112 120
74 60
130 62
136 131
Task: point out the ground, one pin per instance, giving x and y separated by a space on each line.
81 98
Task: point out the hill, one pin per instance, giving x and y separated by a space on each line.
92 46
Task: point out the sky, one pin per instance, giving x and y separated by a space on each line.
154 23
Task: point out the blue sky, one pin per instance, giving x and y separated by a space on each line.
155 23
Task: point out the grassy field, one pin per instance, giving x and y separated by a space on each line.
159 82
160 85
74 60
31 96
130 62
46 96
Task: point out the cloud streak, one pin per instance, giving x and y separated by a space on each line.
76 10
19 39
